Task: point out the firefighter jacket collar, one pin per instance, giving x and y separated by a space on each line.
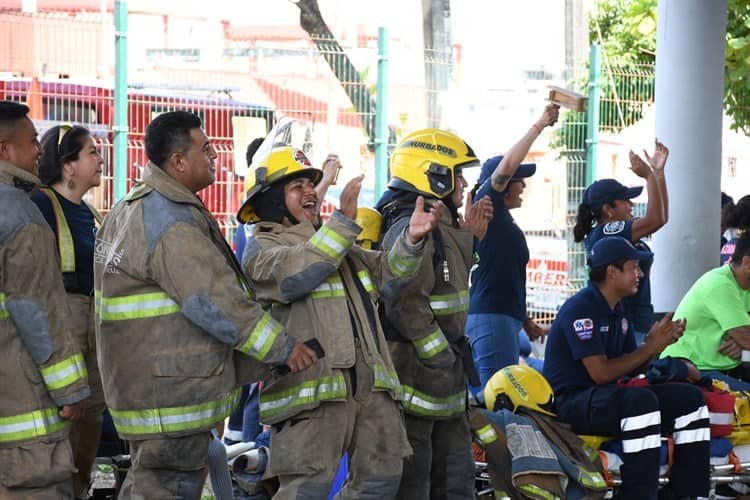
168 186
17 177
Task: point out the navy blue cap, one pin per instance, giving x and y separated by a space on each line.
609 249
489 166
607 191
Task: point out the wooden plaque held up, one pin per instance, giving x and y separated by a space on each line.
567 98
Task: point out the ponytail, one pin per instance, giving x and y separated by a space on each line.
584 222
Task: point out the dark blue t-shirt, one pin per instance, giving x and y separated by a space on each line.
82 229
637 307
585 326
498 284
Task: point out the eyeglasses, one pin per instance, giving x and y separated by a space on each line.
61 131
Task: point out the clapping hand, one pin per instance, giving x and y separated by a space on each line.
478 216
661 153
423 222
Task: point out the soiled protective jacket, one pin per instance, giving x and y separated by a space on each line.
40 369
322 286
172 308
423 338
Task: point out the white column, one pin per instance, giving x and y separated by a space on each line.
690 40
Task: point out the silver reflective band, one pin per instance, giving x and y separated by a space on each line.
685 420
640 444
641 421
691 436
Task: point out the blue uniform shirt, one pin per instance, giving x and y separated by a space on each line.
498 284
638 307
585 326
82 229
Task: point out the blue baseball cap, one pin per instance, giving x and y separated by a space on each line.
524 169
607 191
608 250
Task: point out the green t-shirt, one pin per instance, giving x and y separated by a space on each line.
714 305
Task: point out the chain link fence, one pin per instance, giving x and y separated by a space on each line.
66 76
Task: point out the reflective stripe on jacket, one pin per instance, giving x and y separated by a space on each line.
175 326
427 317
40 368
320 285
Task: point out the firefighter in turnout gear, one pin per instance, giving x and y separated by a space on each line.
324 288
175 322
43 376
424 321
69 167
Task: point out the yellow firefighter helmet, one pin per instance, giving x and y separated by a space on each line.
515 386
370 221
281 164
426 161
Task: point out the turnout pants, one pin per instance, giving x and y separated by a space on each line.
306 449
639 416
36 471
442 466
86 432
173 468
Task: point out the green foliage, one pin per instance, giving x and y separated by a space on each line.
626 31
736 83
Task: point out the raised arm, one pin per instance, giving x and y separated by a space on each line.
515 155
653 172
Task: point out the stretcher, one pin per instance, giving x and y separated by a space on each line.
729 464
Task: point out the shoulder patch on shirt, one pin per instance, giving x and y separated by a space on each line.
584 328
614 227
624 325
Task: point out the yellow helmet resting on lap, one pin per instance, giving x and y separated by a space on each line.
370 221
426 161
280 165
515 386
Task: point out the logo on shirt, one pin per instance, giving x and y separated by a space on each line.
105 254
614 227
584 328
604 329
624 325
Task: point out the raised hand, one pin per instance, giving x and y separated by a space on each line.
549 116
331 168
421 222
349 197
478 216
659 160
638 166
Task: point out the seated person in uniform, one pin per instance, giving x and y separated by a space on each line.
591 345
717 337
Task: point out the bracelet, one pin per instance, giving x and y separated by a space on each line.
537 127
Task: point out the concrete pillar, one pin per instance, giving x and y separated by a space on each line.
690 40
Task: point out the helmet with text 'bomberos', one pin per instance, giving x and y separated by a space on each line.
519 386
427 161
